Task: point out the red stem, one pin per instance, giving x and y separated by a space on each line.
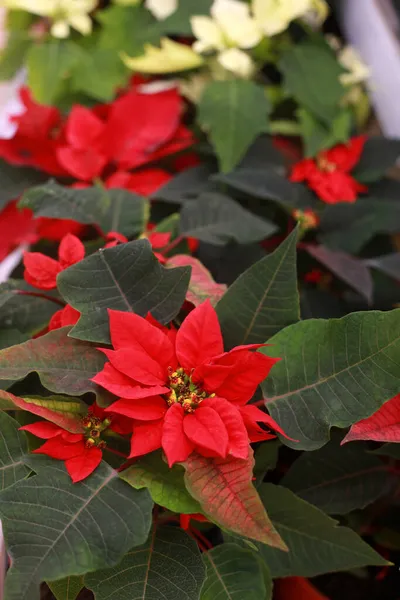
201 537
173 244
117 452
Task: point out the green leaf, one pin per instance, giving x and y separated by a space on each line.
14 180
318 136
12 56
57 528
167 566
85 75
224 490
166 486
187 185
19 310
49 65
127 277
64 365
112 210
264 183
179 21
216 219
316 543
126 29
263 300
13 446
349 227
266 458
234 572
311 74
332 373
388 264
66 589
379 154
233 113
339 479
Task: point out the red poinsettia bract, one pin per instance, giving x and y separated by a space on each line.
328 175
182 391
82 452
382 426
41 271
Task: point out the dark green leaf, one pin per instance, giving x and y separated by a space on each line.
318 136
263 300
165 485
349 227
262 154
13 446
12 56
264 183
127 277
57 528
392 450
349 269
266 458
339 479
311 74
216 219
167 566
378 156
66 589
332 373
15 180
10 337
64 365
185 186
316 543
388 264
19 310
234 573
233 113
112 210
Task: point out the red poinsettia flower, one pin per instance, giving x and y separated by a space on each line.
329 173
35 140
182 391
41 271
382 426
64 317
82 452
144 182
16 227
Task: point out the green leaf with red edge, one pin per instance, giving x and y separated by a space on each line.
64 365
13 446
201 285
61 412
263 300
127 277
224 489
166 486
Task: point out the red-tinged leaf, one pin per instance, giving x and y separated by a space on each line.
382 426
57 414
79 467
64 365
224 490
199 338
298 588
202 285
71 250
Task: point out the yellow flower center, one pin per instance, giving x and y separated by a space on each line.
325 165
184 391
93 427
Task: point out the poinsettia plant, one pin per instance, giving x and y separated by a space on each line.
199 322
